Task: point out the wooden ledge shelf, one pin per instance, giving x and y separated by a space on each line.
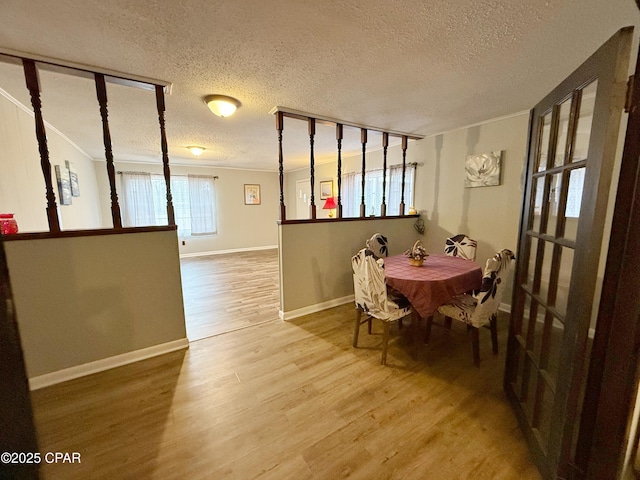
347 219
85 233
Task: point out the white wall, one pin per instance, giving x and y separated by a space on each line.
22 187
240 226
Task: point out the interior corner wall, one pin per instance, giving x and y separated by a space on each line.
240 226
490 215
22 187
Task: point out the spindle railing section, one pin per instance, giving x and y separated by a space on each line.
282 112
31 69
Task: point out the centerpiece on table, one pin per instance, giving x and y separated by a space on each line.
417 254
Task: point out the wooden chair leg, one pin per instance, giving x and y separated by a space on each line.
493 326
415 326
385 342
475 344
427 332
447 322
356 327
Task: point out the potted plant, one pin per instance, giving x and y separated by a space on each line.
417 254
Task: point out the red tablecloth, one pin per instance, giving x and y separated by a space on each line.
440 278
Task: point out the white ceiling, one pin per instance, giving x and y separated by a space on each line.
417 66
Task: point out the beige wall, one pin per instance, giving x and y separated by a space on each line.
22 187
490 215
315 258
97 297
240 226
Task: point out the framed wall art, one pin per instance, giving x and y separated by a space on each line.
64 185
483 170
252 194
326 189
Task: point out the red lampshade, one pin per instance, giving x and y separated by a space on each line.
329 204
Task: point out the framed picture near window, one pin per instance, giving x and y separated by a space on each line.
252 194
326 189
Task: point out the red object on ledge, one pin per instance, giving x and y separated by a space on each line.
8 224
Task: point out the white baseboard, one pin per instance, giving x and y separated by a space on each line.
70 373
233 250
291 314
505 307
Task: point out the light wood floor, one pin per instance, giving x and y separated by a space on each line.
292 400
226 292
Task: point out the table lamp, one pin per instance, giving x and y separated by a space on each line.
330 204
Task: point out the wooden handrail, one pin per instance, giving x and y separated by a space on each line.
31 66
282 112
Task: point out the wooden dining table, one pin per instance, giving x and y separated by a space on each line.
434 283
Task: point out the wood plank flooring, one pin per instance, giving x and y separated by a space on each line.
226 292
292 400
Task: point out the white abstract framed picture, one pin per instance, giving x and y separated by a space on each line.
483 170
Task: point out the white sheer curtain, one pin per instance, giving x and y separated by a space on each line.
202 196
137 200
394 188
352 191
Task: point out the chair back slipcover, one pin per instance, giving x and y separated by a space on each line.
477 309
378 245
370 287
461 246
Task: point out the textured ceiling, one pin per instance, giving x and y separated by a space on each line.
418 66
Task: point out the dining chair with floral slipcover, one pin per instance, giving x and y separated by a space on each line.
378 244
480 308
373 298
461 246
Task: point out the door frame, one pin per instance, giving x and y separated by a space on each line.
557 459
613 380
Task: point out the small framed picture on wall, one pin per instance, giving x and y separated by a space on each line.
252 194
326 189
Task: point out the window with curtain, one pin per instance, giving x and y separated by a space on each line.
144 201
352 191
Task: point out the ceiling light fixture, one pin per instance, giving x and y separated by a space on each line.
222 105
196 151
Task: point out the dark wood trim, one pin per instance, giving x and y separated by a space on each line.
86 233
612 377
101 92
339 137
312 132
363 140
84 71
33 85
298 115
171 219
346 219
279 129
385 145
